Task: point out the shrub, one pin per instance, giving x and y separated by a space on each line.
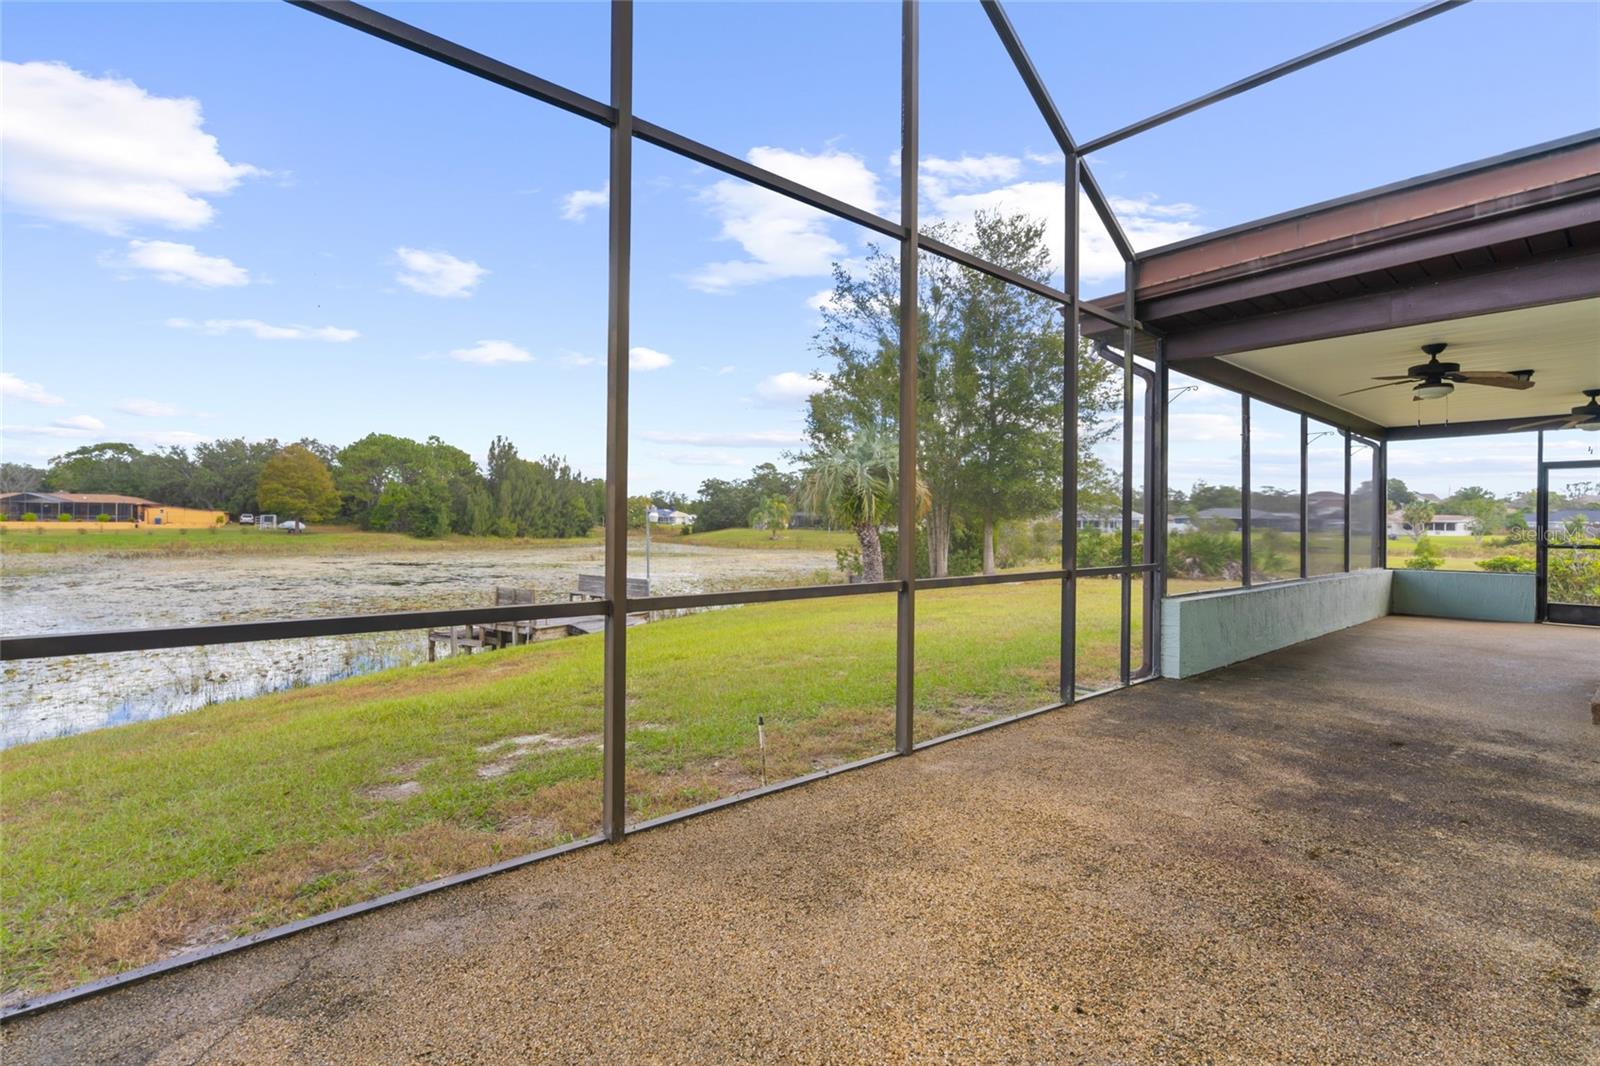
63 518
1425 557
29 516
1202 553
1574 577
222 519
102 517
1508 564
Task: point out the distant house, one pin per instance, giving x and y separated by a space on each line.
667 516
1325 511
1107 521
91 506
1450 525
80 506
1560 518
1260 518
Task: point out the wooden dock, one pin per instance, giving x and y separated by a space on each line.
492 635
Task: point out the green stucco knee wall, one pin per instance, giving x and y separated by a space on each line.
1212 629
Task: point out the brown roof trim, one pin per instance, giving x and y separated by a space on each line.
1551 164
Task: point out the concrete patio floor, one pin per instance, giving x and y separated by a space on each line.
1383 846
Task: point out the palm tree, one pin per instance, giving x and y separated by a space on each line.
773 514
854 485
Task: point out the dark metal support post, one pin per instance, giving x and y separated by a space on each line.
1305 503
906 564
1244 490
614 806
1541 535
1346 437
1380 475
1126 650
1155 511
1069 444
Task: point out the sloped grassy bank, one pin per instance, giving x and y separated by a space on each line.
125 845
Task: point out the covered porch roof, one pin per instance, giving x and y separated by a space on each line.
1499 259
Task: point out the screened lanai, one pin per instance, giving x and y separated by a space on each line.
1054 431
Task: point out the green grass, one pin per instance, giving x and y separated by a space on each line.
124 845
793 539
90 537
1459 553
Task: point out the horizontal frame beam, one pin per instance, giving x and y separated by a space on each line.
969 580
1273 73
98 642
1554 280
101 642
967 259
420 41
693 600
689 148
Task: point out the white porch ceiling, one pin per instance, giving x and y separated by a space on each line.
1559 342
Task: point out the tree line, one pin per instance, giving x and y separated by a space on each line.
380 482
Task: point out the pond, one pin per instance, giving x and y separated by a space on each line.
81 591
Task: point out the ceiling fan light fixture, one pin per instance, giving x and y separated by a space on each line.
1433 390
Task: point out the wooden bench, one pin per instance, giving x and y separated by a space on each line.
593 587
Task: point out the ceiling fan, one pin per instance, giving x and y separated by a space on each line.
1583 416
1434 378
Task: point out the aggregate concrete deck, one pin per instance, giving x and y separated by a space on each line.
1381 846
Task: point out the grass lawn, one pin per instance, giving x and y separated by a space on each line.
793 539
244 540
1458 553
125 845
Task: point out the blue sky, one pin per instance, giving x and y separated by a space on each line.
241 219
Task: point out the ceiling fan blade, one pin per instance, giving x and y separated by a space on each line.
1369 388
1497 378
1547 421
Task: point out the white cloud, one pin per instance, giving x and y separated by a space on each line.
265 331
54 430
105 154
728 459
89 422
14 388
578 359
1197 426
179 264
726 370
824 300
492 353
789 386
167 438
437 273
783 238
939 175
1147 222
576 205
648 359
759 439
146 408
